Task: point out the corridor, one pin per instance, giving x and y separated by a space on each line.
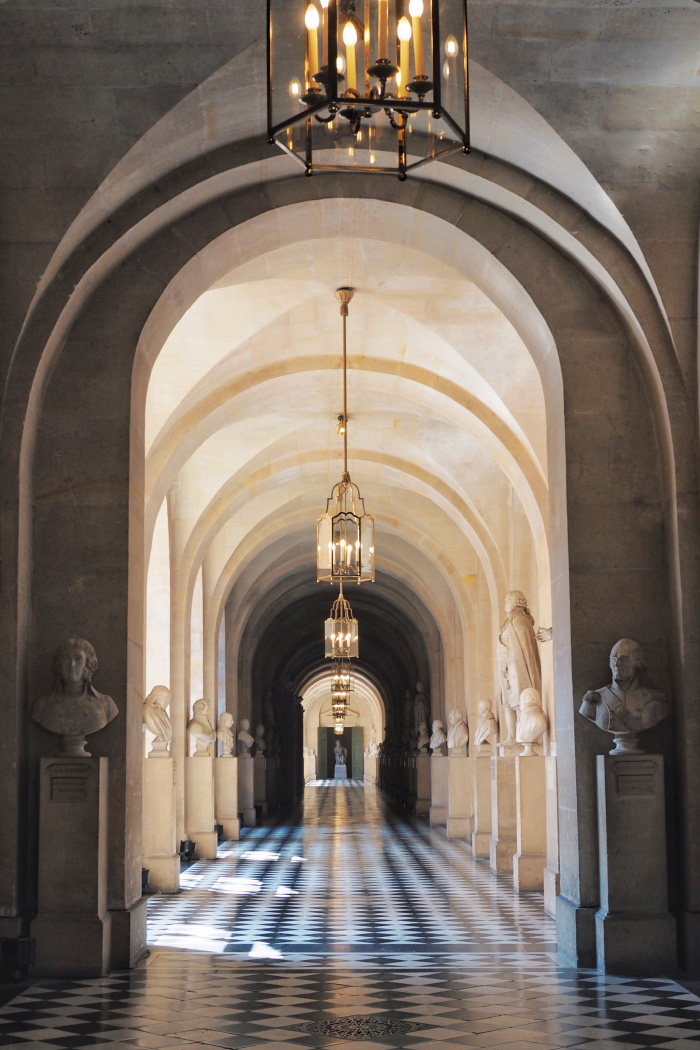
350 924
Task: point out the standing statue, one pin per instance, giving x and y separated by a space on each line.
157 720
532 723
340 753
423 739
458 734
487 726
625 708
373 748
74 709
260 739
520 659
201 730
421 708
224 734
438 739
245 740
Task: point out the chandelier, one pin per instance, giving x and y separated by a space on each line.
342 684
341 635
369 85
345 533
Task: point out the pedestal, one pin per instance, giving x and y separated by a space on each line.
199 805
72 929
481 801
309 769
259 785
503 830
246 792
159 844
226 795
370 769
423 784
551 872
459 797
438 790
531 824
340 773
634 931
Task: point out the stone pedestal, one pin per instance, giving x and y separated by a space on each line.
503 829
634 931
199 805
438 790
340 772
459 797
246 790
370 769
226 794
551 872
309 769
72 929
531 824
259 785
481 801
159 843
423 784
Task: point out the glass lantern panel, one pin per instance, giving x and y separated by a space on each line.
324 547
346 541
328 637
452 60
367 549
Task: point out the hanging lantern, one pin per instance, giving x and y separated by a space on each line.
342 684
369 85
341 633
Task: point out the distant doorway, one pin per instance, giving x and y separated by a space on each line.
352 740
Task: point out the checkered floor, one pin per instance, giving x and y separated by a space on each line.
350 925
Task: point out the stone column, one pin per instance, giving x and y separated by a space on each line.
551 872
438 789
634 931
160 853
259 785
226 784
422 784
459 796
481 799
73 926
531 823
199 804
503 829
246 792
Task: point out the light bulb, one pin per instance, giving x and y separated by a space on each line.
312 18
415 8
404 29
324 3
349 34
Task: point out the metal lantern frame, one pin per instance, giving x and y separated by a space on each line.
341 633
325 98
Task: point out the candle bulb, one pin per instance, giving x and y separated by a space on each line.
350 40
415 10
404 33
312 22
383 30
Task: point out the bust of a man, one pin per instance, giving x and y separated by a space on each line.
625 708
487 726
260 739
245 739
438 739
458 734
74 709
157 720
201 730
423 739
532 723
224 734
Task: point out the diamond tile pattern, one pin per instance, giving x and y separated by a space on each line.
349 925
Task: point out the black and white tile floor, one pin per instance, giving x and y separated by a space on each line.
349 926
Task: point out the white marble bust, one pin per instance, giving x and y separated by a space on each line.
245 740
157 720
458 734
423 739
373 747
74 709
532 722
201 730
487 726
260 739
438 739
224 734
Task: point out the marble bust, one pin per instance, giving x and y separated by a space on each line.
532 723
260 739
458 734
224 734
438 739
74 709
245 740
340 753
487 726
625 708
373 747
201 730
157 720
423 739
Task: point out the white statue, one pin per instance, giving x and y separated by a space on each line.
157 720
224 734
438 739
423 739
532 723
245 740
487 726
74 709
519 659
458 734
260 739
421 705
201 730
340 753
625 708
373 748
